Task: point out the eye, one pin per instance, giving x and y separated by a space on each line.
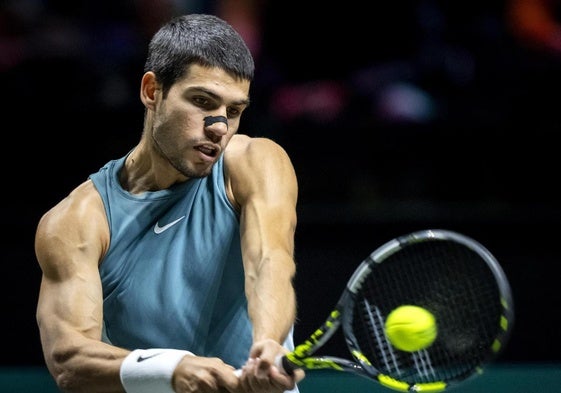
201 101
235 111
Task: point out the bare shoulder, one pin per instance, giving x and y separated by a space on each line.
243 145
256 165
255 154
77 224
82 203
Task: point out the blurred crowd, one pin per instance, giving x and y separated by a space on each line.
403 60
406 85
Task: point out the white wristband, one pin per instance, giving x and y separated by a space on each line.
150 370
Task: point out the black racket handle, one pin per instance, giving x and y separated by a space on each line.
285 365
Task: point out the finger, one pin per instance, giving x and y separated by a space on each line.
280 379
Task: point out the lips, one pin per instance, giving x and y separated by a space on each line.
208 150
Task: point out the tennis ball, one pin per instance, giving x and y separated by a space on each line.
411 328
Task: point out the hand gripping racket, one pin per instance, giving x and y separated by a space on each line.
452 276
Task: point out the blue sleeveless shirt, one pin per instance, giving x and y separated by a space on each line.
173 275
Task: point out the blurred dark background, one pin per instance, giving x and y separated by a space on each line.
398 116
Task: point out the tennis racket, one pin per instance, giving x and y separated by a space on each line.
449 274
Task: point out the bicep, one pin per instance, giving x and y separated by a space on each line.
69 307
69 303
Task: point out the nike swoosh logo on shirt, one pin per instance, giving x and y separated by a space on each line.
143 358
158 229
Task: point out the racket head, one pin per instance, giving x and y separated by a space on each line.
451 275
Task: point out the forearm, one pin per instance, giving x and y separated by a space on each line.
79 365
271 297
102 368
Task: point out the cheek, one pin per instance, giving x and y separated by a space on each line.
232 130
233 125
226 139
176 123
168 134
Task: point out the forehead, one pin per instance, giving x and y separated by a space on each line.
216 81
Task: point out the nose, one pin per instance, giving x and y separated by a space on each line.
217 125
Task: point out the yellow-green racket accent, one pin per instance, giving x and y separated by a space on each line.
401 386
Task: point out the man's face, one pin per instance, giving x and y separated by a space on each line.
194 123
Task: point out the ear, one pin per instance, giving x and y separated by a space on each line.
148 90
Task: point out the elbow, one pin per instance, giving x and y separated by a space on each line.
64 382
62 366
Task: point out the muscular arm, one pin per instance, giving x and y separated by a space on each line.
264 186
69 243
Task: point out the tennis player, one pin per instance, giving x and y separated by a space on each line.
172 266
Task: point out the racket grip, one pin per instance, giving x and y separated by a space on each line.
281 362
284 365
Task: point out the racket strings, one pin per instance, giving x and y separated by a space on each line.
451 281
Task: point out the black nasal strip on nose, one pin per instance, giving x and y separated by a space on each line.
210 120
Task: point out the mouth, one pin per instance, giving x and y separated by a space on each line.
208 150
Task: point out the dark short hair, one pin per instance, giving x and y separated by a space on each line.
197 39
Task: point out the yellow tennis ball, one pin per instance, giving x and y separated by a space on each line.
411 328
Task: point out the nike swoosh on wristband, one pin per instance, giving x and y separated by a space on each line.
143 358
158 229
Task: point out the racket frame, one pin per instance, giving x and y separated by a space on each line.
301 356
